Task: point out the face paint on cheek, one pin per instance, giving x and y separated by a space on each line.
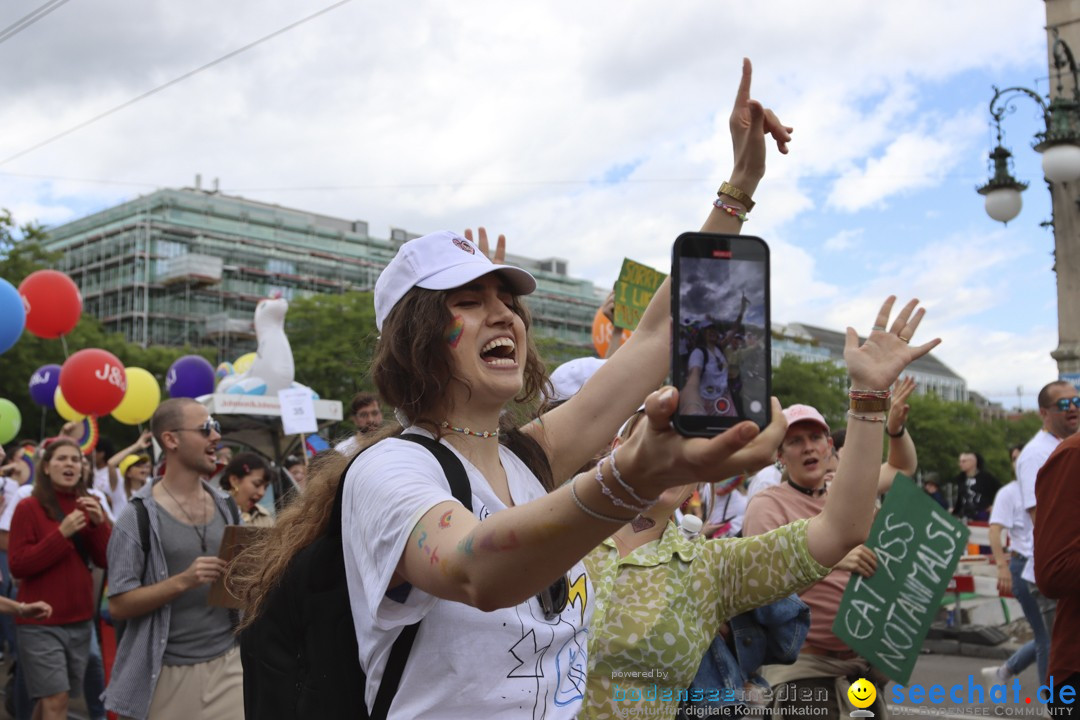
453 333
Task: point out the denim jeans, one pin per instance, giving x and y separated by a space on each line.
1040 646
94 680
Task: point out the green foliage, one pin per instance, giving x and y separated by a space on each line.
333 340
822 385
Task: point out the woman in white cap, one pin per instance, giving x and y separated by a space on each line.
501 591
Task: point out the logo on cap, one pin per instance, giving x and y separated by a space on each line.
464 246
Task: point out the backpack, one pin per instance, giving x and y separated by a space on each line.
300 656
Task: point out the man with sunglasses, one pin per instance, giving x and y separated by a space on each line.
178 656
1059 407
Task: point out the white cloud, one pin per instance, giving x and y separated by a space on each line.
843 240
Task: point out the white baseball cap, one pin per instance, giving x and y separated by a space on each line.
571 376
439 261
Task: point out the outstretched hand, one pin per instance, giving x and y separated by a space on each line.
750 122
898 411
878 362
659 458
500 245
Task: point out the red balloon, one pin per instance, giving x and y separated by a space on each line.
53 303
93 381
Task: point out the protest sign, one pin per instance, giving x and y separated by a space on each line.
636 285
918 544
297 411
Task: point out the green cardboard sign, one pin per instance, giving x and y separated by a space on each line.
634 289
918 545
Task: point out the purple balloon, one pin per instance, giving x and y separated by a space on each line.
190 377
43 385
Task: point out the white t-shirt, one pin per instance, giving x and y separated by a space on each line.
465 663
729 508
1009 512
24 492
117 498
346 446
1028 463
714 373
765 479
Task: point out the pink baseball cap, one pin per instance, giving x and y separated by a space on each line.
804 413
440 261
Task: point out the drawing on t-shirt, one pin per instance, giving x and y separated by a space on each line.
569 660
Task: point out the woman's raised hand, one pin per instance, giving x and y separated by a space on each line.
656 457
500 245
878 362
750 122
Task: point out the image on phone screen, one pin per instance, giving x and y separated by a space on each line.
721 361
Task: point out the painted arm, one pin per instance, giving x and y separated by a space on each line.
519 551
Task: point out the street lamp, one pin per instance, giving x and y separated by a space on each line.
1059 144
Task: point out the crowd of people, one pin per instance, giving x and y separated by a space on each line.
575 567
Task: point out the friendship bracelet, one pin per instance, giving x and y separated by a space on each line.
735 193
616 501
629 490
735 212
867 394
593 513
866 418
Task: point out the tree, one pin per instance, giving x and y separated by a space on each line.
822 385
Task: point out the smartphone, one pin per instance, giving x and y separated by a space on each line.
720 349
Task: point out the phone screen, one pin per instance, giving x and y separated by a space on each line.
721 348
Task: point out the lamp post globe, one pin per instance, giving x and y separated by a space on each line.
1003 204
1061 162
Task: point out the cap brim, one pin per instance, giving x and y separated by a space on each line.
520 282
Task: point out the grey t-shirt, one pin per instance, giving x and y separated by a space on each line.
198 632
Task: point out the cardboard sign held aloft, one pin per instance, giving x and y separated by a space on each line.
297 411
636 285
885 618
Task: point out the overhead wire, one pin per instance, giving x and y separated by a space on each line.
29 19
170 83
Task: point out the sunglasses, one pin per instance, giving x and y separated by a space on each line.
207 428
553 599
1064 403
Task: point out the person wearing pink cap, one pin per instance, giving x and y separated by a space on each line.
808 457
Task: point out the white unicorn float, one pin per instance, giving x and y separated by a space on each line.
273 368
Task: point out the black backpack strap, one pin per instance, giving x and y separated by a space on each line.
234 511
399 652
142 518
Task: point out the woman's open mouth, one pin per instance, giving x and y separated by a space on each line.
499 352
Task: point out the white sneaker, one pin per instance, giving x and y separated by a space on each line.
992 675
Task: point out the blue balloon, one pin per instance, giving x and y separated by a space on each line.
12 315
43 385
191 376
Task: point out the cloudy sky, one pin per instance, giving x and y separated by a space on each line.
589 131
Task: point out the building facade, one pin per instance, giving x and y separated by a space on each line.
186 267
815 344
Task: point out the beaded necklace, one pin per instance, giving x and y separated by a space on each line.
466 431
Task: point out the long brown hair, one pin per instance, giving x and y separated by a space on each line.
43 491
412 369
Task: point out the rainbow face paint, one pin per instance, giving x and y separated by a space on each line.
453 333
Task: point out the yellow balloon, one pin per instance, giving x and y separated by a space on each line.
141 399
66 411
243 363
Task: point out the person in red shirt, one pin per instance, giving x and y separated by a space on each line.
55 534
1057 561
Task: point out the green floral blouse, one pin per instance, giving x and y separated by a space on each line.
660 607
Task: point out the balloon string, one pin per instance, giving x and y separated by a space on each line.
63 341
44 412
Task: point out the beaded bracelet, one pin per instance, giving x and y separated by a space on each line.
593 513
736 212
866 418
615 500
629 490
